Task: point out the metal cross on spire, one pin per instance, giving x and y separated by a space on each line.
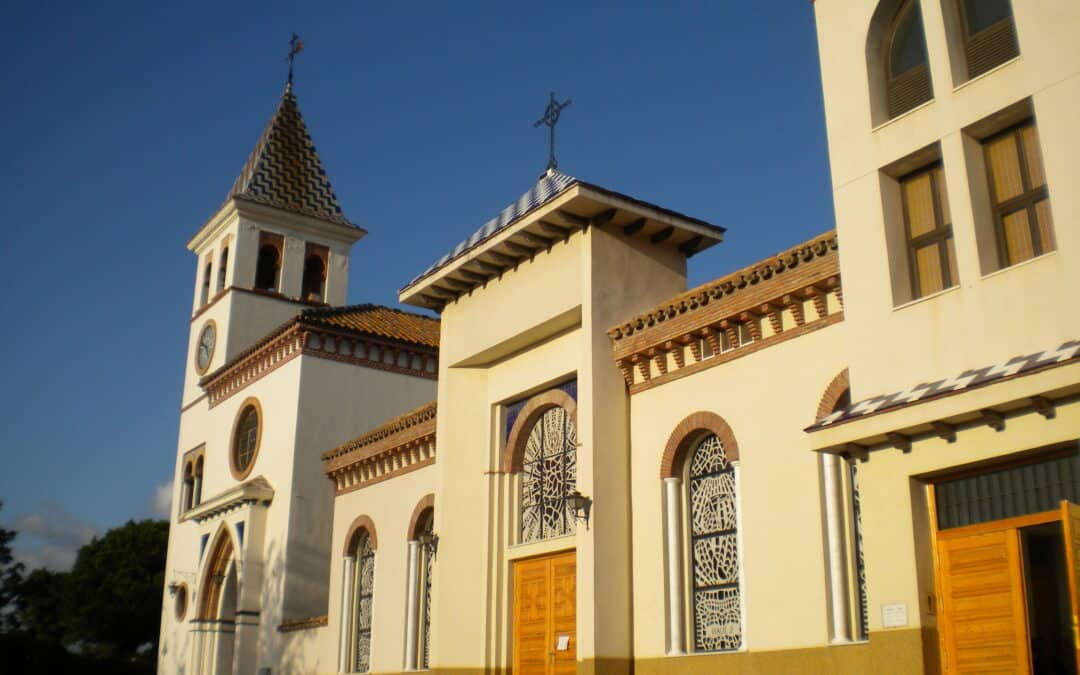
295 46
550 119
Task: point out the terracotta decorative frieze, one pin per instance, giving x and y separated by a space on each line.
299 340
764 304
403 444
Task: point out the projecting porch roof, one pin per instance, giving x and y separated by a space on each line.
986 396
551 211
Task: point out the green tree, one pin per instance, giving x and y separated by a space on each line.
10 580
41 604
114 590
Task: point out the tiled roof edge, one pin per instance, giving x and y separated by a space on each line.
751 275
386 430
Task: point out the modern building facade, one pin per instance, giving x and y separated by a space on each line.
858 458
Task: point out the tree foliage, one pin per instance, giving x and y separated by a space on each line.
115 588
10 580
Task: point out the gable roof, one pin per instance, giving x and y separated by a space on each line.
284 170
551 185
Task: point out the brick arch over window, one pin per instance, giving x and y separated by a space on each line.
836 389
428 502
688 432
221 554
351 539
534 408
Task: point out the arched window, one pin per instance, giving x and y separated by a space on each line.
989 34
700 473
907 73
313 287
357 597
549 474
422 549
222 266
266 268
188 490
204 294
196 487
714 547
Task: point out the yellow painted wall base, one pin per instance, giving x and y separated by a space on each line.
912 651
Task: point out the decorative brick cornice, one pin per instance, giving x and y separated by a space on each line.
290 625
403 444
296 339
758 306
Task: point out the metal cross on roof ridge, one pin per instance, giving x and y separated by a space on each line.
295 47
550 119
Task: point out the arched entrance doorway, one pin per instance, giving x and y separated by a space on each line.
217 609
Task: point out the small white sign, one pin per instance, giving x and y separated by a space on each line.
563 644
894 616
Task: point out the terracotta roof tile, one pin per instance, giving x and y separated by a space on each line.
395 426
744 279
377 320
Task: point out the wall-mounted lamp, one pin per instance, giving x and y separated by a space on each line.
173 588
430 542
581 505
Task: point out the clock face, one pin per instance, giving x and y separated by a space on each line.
204 351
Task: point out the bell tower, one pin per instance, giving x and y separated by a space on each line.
278 244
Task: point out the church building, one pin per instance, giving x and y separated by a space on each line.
859 455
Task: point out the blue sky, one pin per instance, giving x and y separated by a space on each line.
124 124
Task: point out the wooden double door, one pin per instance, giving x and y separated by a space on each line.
1008 595
545 615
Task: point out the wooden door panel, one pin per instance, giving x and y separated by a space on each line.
564 612
983 612
545 607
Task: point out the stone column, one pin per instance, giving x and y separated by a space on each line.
676 612
412 622
346 612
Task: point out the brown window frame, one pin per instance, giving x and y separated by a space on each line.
1026 200
241 472
974 42
940 235
899 88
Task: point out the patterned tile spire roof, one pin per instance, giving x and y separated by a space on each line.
284 170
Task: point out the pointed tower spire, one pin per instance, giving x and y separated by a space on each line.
284 170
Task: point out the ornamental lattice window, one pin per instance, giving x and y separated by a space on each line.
716 597
364 586
549 474
860 564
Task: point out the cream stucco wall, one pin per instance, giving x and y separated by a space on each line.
767 398
389 505
309 405
991 314
541 324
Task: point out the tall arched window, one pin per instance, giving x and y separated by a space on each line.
422 549
222 267
907 73
549 474
266 268
714 547
357 598
701 480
